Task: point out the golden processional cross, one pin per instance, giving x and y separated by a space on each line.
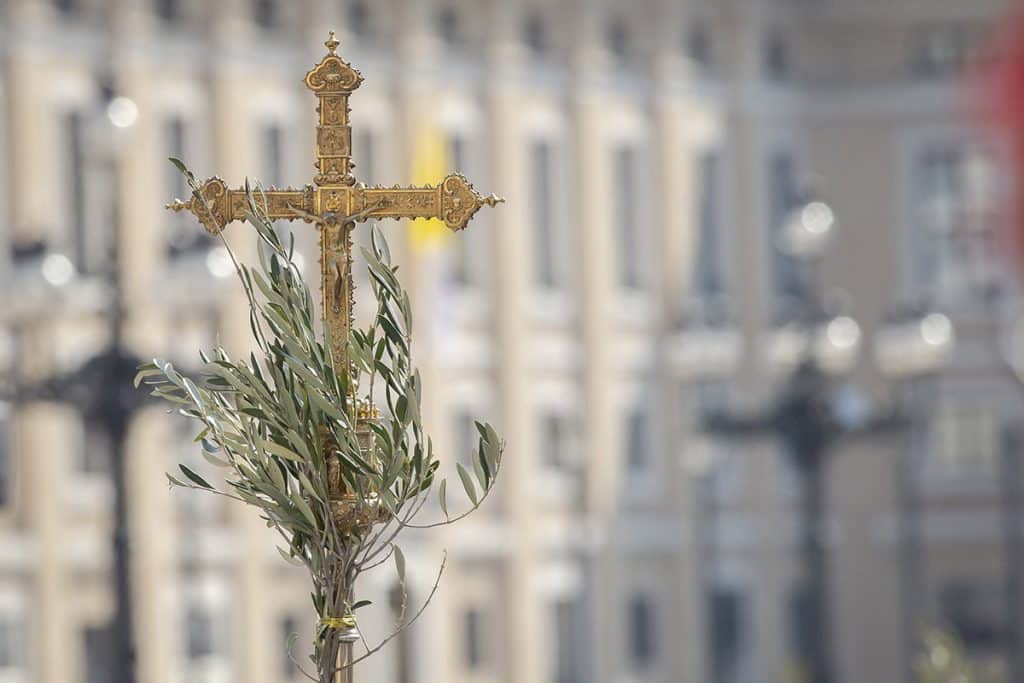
336 200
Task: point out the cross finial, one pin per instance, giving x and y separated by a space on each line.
331 43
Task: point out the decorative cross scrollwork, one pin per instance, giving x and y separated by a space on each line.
336 200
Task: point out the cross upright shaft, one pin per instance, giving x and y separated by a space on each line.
336 200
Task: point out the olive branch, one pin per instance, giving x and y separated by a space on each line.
279 422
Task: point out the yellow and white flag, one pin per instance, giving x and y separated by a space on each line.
429 167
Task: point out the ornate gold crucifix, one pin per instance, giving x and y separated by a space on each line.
336 200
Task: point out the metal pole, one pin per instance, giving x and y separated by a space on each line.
909 536
708 535
123 646
909 531
119 405
1013 549
815 564
346 654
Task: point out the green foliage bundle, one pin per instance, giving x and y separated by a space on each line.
278 422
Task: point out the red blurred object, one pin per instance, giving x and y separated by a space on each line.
1003 105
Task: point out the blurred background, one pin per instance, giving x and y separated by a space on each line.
742 321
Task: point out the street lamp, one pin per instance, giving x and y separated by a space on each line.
811 413
101 388
803 416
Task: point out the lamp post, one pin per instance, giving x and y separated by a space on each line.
809 415
804 419
101 388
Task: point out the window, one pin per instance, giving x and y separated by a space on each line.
364 149
954 214
707 272
457 152
627 221
402 650
264 13
289 629
358 18
618 38
273 156
75 199
698 46
776 57
643 644
28 250
728 616
364 157
567 666
96 450
937 179
938 51
466 437
196 508
5 455
801 633
475 639
200 633
967 438
535 34
66 6
96 642
449 27
558 440
168 10
638 439
784 196
545 245
181 233
465 251
710 396
976 613
205 638
12 645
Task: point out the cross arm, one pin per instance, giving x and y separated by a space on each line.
453 200
216 205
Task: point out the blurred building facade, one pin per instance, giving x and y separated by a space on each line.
649 151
